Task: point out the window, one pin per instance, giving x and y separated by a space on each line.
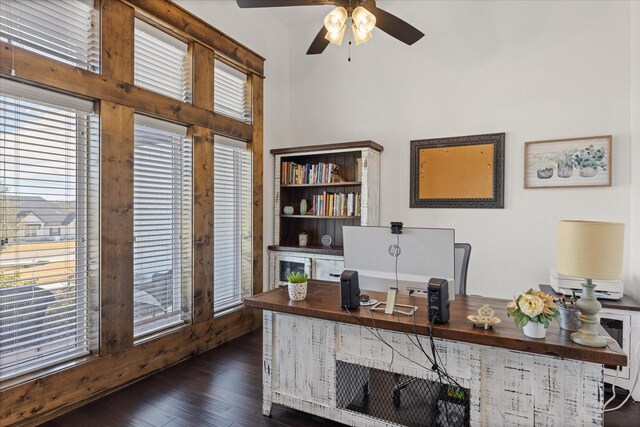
162 225
49 161
54 231
232 96
64 30
232 223
31 230
161 63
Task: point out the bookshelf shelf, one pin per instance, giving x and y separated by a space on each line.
320 217
326 184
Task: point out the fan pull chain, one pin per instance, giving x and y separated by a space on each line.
349 51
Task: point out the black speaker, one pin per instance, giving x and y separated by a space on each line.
349 290
438 300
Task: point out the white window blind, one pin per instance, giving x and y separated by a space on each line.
232 222
161 63
49 160
66 30
232 96
162 224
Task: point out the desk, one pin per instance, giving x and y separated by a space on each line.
512 379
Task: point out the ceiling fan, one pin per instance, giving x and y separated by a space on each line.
364 15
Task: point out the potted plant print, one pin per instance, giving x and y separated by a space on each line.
589 160
532 311
297 286
565 163
544 166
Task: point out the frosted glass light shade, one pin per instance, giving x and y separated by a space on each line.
335 20
359 37
590 249
336 38
364 20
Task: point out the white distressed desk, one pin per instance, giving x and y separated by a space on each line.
512 380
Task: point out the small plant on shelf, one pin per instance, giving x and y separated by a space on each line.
297 277
297 286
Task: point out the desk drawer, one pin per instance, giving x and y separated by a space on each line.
328 269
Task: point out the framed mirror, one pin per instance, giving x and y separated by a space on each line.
458 172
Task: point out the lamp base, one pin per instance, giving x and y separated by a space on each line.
589 307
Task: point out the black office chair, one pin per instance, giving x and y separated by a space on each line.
462 251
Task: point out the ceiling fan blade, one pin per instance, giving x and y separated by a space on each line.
395 26
319 44
279 3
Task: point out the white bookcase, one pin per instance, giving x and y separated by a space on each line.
359 169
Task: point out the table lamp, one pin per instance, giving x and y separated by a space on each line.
590 250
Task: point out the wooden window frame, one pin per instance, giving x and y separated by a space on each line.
42 396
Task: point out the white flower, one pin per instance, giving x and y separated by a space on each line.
531 305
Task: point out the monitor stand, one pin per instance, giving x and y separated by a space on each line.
389 307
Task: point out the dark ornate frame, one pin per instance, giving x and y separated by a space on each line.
497 202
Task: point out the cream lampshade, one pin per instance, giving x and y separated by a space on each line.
590 250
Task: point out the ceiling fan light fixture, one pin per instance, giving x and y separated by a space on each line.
335 20
364 20
358 36
336 38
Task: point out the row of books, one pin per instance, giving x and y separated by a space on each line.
320 173
336 204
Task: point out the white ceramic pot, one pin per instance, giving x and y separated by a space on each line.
297 291
534 330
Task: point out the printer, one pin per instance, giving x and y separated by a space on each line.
605 289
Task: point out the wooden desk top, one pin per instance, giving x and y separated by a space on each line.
323 302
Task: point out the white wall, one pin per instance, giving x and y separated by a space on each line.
535 70
635 149
260 31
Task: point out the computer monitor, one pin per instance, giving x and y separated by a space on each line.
424 253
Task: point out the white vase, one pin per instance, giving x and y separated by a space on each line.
534 330
297 291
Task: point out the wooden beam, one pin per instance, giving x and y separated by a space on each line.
116 250
203 62
257 87
51 73
35 402
117 40
202 224
169 14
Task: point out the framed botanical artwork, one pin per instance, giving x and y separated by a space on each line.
573 162
458 172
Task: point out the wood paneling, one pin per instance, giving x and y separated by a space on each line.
168 13
117 44
116 250
202 224
47 72
323 302
203 61
257 86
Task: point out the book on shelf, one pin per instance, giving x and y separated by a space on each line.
318 173
336 204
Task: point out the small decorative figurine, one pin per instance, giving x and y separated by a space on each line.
484 318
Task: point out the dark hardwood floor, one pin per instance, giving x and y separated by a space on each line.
221 387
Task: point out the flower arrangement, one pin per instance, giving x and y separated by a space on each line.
532 306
